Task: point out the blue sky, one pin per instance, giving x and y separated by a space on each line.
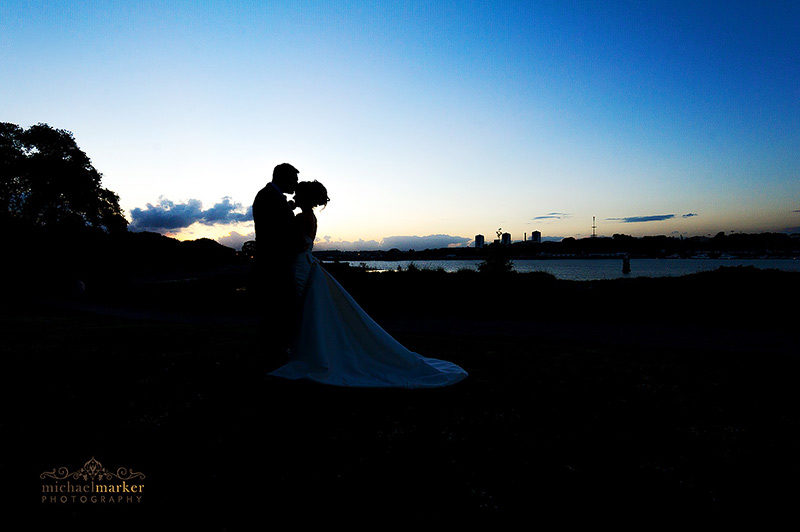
425 118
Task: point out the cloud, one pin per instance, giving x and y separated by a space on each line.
346 245
552 216
403 243
689 215
167 215
235 240
226 212
424 242
649 218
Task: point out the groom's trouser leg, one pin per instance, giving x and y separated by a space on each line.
276 301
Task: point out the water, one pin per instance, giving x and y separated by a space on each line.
591 269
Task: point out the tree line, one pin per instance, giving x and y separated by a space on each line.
60 224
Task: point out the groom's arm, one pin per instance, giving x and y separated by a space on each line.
297 241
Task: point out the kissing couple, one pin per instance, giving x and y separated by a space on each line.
312 327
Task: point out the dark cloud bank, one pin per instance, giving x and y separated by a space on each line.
403 243
167 215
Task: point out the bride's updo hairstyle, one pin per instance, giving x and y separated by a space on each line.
310 194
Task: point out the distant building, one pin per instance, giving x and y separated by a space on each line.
506 239
479 241
536 236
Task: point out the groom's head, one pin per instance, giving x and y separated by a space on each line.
285 176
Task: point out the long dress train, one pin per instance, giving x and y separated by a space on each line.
339 344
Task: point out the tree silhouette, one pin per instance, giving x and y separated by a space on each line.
249 249
498 258
47 181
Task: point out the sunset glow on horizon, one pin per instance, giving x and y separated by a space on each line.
435 120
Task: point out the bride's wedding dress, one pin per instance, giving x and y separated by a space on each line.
340 344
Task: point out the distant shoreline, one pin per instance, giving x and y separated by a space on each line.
721 246
583 269
323 256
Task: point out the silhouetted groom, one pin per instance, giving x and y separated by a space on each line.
277 244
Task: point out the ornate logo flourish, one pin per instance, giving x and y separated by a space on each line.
92 470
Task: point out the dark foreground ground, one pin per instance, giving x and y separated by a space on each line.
560 417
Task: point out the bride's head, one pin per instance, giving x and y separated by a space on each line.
310 194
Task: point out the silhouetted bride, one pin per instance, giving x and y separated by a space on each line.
338 343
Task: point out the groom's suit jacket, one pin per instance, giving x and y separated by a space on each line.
277 237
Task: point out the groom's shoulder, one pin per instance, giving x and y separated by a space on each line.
267 193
